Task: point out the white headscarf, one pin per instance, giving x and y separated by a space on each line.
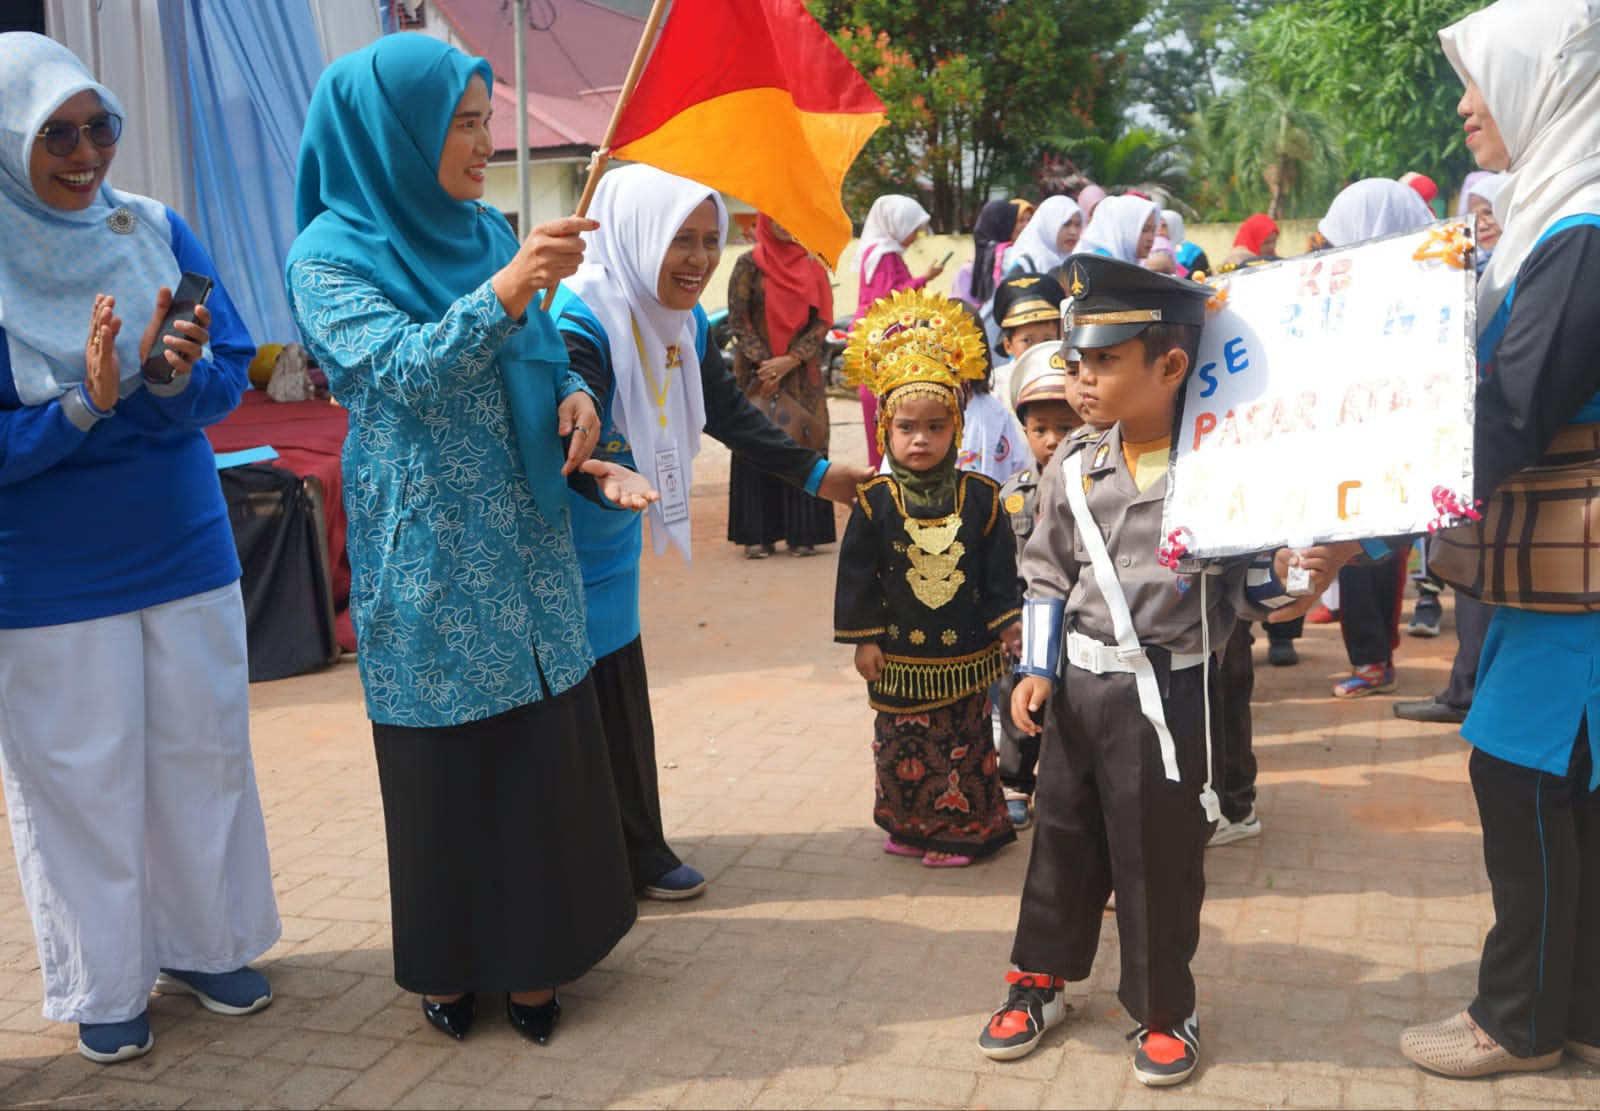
1175 230
53 262
1488 187
640 210
1116 226
890 220
1035 249
1537 63
1371 209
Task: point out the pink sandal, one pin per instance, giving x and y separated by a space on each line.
895 848
950 861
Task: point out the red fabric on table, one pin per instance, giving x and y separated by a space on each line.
308 437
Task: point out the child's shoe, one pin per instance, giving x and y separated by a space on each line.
1032 1006
1366 679
244 991
106 1043
1018 809
1322 615
1427 615
1166 1057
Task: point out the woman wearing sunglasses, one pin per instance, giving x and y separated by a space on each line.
124 717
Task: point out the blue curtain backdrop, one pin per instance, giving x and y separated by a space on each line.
251 70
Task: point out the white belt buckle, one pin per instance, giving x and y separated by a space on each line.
1081 652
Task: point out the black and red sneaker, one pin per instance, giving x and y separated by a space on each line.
1032 1006
1166 1057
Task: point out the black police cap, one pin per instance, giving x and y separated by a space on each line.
1113 301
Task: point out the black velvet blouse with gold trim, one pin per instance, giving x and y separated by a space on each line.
933 593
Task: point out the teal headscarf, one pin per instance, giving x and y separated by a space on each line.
368 200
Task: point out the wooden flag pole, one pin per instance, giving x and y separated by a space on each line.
597 163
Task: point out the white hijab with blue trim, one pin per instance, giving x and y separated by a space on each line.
1537 63
640 209
53 263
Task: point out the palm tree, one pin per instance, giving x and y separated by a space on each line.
1140 158
1266 136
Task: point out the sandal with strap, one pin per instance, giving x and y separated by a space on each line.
1366 679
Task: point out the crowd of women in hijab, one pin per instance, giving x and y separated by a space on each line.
522 412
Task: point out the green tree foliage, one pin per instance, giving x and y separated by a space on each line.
1139 159
1375 69
974 88
1183 53
1256 148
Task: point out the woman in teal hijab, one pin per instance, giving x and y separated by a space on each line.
506 864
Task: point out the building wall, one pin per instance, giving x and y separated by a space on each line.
553 189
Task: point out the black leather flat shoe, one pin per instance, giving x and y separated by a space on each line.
537 1023
453 1018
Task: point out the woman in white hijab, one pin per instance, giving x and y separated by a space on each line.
124 684
1371 209
1532 110
1049 238
1122 227
635 331
1477 201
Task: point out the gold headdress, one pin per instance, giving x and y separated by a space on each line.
915 339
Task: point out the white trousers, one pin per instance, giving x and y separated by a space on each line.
125 747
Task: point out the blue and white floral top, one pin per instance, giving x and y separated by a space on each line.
463 595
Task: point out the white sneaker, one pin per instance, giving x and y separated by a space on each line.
1228 832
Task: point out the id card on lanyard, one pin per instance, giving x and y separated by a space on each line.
674 504
670 484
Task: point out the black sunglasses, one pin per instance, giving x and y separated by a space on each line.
61 138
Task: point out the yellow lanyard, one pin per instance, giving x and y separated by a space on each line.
661 391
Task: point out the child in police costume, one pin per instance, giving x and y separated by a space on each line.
927 587
1117 645
1027 308
1041 398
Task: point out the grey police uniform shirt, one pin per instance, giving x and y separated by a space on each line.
1165 606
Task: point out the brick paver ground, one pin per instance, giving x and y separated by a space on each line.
817 971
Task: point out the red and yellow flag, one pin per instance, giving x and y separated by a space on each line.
752 98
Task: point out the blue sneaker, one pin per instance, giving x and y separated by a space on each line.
243 991
109 1042
1019 813
683 882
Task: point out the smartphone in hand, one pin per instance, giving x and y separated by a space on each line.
948 255
192 291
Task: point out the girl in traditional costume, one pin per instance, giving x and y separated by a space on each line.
927 588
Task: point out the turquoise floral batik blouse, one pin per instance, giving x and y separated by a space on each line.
462 593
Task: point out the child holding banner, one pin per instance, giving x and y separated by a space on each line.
1126 798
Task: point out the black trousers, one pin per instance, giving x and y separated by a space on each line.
624 691
1019 753
1105 814
1539 979
1369 608
1234 732
1472 624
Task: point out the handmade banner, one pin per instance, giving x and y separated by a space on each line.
1332 395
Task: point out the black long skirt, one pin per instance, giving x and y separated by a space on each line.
506 864
624 689
765 510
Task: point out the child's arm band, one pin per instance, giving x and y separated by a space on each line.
1262 587
1042 620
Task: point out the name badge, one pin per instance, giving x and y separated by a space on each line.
674 504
